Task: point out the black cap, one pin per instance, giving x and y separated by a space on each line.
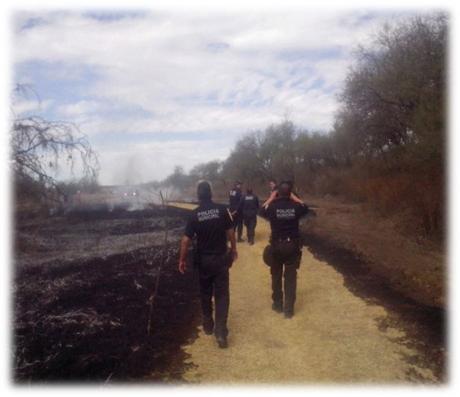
203 191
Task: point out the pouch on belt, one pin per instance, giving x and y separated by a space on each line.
268 256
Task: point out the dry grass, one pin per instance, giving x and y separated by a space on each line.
334 336
415 197
414 267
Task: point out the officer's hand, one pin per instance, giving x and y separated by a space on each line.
234 256
182 266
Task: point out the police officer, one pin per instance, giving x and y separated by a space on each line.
284 250
212 225
249 209
235 196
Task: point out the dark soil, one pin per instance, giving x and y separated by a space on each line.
424 326
87 320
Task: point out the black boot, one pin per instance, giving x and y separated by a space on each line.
222 341
277 307
208 326
288 313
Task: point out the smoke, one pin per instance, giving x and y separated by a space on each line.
132 172
138 197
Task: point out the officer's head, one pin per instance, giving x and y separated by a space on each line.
249 190
238 184
203 191
285 189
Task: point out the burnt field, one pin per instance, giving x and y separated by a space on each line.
97 297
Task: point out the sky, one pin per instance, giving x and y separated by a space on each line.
153 89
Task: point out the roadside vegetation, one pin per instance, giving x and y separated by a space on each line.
387 146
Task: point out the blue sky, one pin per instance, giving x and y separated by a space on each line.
155 89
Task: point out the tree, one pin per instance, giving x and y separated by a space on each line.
177 179
245 162
261 155
40 147
394 96
277 148
211 171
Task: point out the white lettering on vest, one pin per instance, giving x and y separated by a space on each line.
288 213
208 214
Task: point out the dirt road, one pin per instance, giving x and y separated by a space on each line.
334 336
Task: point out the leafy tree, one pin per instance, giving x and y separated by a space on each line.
394 96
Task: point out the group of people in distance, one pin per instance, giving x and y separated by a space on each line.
244 209
214 225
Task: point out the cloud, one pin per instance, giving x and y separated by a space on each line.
25 107
164 73
77 109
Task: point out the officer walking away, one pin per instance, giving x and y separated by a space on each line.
235 196
284 252
212 225
249 209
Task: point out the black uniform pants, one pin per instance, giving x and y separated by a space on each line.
238 225
214 282
250 222
285 266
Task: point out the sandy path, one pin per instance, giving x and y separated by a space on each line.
333 337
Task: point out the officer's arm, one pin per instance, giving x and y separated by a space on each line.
231 238
296 198
270 200
184 245
263 212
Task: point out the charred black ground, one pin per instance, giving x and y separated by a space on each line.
424 326
83 283
86 319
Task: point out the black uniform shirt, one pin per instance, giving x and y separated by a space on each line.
209 222
284 215
250 205
234 199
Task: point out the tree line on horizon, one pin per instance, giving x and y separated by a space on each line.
387 145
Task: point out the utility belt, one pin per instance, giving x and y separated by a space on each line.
281 240
225 258
286 250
